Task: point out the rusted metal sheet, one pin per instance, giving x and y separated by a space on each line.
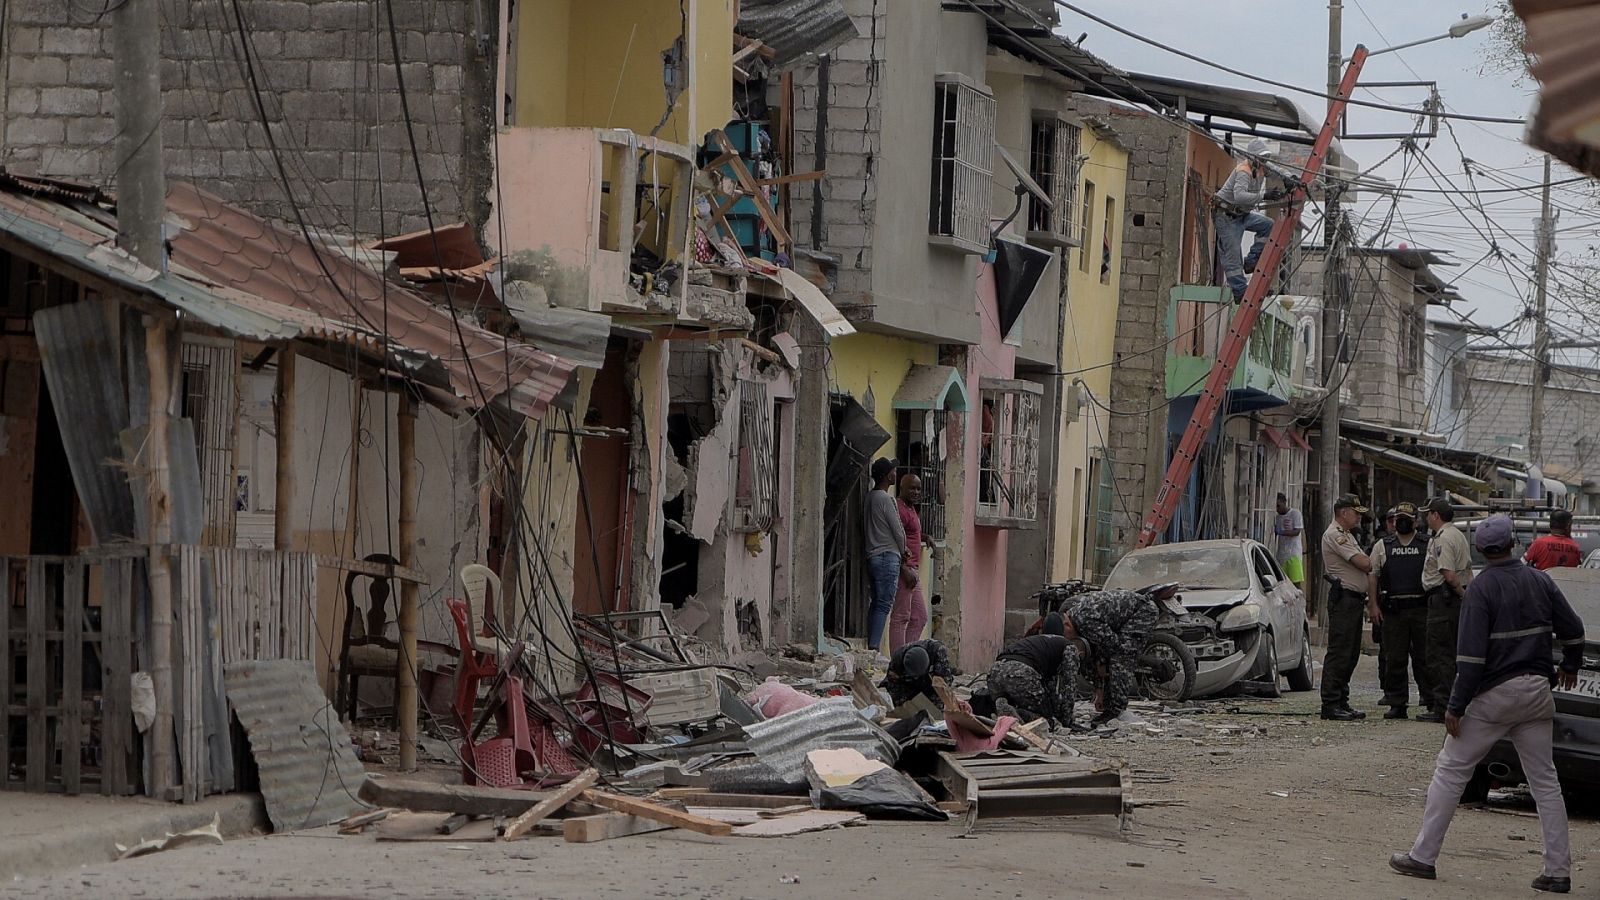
783 742
243 276
309 772
797 30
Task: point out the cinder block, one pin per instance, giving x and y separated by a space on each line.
36 130
72 41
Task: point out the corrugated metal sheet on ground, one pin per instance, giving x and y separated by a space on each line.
309 771
784 741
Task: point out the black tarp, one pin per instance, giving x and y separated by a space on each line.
1017 270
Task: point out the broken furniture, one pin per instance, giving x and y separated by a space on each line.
366 649
501 759
1011 784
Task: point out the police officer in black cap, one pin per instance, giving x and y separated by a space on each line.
1398 604
1344 562
912 669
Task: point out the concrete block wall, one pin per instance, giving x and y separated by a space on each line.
1152 234
328 82
1499 398
836 214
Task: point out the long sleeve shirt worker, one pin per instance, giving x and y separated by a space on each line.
1507 618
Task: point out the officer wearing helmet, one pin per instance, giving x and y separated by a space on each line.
912 669
1234 215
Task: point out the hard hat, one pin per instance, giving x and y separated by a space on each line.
1260 149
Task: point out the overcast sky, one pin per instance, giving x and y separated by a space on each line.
1288 42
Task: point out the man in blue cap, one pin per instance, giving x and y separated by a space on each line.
1502 689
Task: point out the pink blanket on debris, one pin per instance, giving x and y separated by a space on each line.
972 742
773 698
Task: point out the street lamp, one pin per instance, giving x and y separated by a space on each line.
1465 26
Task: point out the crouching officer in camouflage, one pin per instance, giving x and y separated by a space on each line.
1115 625
1398 604
912 669
1034 677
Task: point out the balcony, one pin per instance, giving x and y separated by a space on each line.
596 217
1198 317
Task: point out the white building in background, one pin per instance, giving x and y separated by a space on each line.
1446 375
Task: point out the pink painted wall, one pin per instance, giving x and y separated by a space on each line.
983 571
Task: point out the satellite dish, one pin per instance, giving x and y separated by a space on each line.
1025 181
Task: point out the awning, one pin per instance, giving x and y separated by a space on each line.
1277 437
1420 469
932 387
243 276
1298 438
1563 40
795 29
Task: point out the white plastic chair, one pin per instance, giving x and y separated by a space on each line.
480 583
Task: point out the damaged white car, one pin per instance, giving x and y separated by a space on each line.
1235 618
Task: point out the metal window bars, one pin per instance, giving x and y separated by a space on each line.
1053 162
210 398
963 150
757 475
1008 453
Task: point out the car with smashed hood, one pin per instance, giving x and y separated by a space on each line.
1241 618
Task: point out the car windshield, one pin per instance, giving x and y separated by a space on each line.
1197 568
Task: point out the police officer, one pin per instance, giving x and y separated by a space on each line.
1115 625
1397 603
1343 560
912 669
1034 677
1445 576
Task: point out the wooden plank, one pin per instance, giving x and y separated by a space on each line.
748 182
116 678
382 570
453 822
70 723
645 809
5 657
354 824
703 797
38 622
519 826
422 796
604 827
800 823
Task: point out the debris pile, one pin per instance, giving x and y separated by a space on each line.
652 738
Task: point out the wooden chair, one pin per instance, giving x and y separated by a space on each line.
365 649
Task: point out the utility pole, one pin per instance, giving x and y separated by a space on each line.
141 207
1332 269
1541 327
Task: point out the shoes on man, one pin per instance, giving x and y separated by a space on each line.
1354 712
1552 885
1341 714
1432 715
1395 712
1405 865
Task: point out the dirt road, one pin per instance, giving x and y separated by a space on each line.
1354 794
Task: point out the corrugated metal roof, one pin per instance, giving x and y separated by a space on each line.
783 742
1563 39
796 29
241 275
309 772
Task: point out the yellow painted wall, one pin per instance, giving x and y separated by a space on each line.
879 362
1089 341
597 63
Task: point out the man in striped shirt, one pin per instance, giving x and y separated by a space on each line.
1502 689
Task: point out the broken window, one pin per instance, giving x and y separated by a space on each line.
756 489
1085 223
1053 162
1409 355
920 434
963 148
1105 241
1008 453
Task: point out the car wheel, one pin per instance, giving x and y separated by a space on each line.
1477 790
1269 657
1169 651
1300 676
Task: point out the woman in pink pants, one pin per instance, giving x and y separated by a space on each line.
910 613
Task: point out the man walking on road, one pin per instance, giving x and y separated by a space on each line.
1343 560
1502 689
1397 604
1289 526
1556 549
1445 574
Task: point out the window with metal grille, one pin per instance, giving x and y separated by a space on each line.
920 437
963 148
756 487
210 400
1053 162
1008 453
1409 351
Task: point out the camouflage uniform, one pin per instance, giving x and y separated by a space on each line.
1115 624
1020 690
903 689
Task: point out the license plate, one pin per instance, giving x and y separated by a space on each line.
1588 684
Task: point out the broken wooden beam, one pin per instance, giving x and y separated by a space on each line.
605 826
354 824
700 797
454 823
645 809
544 808
422 796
